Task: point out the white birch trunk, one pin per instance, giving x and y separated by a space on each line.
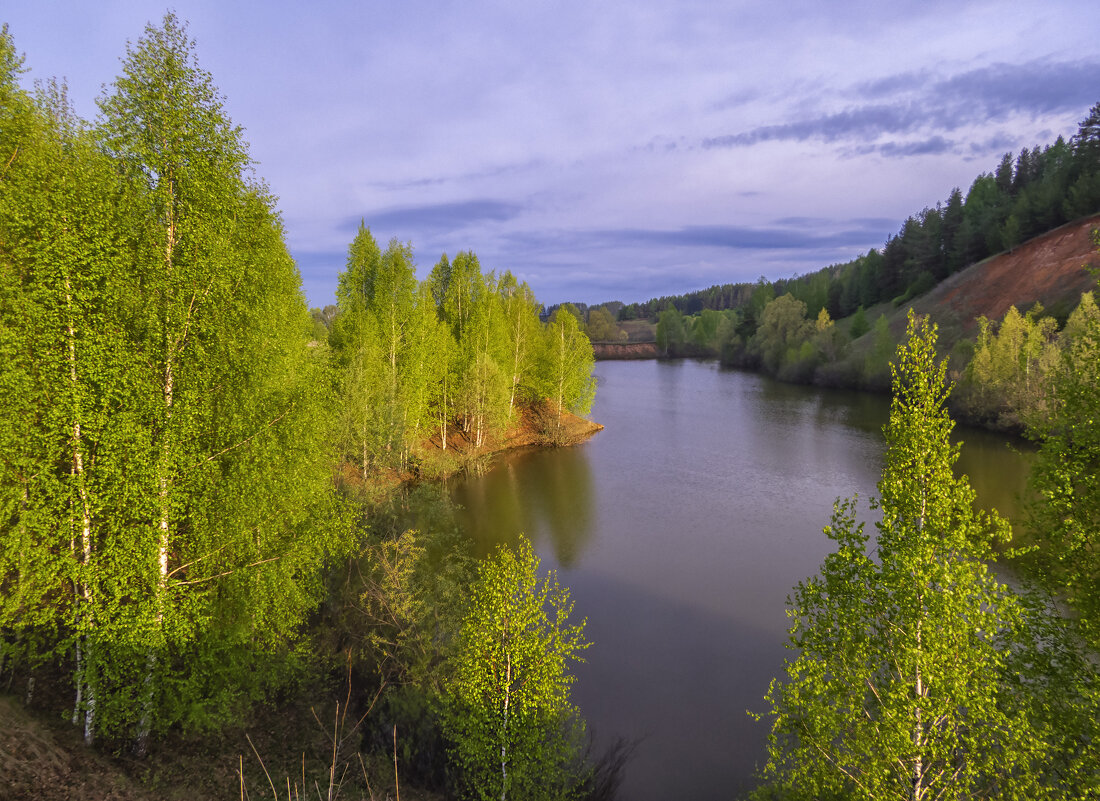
141 744
504 737
83 594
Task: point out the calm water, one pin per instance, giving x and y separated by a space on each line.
681 528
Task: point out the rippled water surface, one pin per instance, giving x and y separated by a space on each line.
681 529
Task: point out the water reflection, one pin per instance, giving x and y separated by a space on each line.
546 495
681 529
997 466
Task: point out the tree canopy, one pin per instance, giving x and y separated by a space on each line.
896 690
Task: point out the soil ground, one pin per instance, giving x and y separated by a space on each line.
624 350
1052 269
40 761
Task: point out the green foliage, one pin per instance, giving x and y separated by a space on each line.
876 364
521 322
859 325
1006 379
566 367
384 337
601 326
779 338
409 593
1066 517
896 689
508 715
827 341
670 331
159 368
457 352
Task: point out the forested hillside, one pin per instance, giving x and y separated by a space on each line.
1018 246
1026 195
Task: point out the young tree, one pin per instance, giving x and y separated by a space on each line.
782 330
64 361
670 331
1066 515
896 689
876 363
827 340
521 316
566 369
601 326
1009 368
513 730
358 353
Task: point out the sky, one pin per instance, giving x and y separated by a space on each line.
607 150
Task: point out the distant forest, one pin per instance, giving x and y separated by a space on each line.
1026 195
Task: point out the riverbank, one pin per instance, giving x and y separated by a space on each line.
607 351
42 758
536 426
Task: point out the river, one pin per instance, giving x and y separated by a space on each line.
681 529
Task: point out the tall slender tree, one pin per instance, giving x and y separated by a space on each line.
215 552
1066 514
64 365
522 325
897 689
566 370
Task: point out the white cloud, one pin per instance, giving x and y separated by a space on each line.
582 117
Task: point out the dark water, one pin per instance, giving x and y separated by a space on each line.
681 528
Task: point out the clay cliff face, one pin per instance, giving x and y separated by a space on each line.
624 350
1051 269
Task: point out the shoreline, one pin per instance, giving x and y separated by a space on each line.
534 428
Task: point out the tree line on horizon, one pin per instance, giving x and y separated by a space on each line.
1028 194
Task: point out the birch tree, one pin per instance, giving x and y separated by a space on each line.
383 336
522 328
485 382
508 715
898 687
566 367
1066 515
63 362
222 544
358 353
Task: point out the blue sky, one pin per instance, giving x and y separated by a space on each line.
608 150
